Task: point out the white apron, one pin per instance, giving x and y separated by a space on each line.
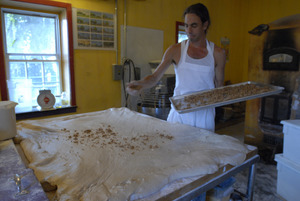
194 75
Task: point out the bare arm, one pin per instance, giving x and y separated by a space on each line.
135 87
220 61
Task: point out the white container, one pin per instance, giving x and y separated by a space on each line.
20 91
7 120
291 139
288 178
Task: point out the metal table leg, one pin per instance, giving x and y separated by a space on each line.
197 190
251 179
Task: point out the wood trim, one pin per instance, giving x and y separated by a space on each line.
3 85
42 113
177 30
46 3
68 7
71 54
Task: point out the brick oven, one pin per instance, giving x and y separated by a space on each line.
273 59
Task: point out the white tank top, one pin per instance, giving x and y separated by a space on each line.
194 75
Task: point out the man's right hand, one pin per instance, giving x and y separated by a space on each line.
134 88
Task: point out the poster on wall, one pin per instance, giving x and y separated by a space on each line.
93 30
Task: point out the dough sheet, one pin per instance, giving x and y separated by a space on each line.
119 154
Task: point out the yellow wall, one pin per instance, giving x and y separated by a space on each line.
95 88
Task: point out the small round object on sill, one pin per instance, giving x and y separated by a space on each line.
46 99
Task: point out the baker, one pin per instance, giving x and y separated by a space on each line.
199 65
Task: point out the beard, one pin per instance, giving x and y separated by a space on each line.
193 38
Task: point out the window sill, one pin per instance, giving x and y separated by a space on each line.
34 112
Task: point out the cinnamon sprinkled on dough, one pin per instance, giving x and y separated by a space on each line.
106 136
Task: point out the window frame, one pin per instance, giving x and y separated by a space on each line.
57 53
44 5
179 28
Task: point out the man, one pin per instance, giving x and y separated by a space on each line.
199 65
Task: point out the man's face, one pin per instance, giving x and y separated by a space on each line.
194 27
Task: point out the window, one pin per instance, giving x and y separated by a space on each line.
284 58
180 32
27 64
32 52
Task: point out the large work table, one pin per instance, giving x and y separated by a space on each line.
119 154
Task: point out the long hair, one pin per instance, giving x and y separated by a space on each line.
201 11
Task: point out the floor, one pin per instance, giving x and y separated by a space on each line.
266 174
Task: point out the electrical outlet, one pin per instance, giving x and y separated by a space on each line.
117 72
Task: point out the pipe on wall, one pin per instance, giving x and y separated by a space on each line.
125 29
116 34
